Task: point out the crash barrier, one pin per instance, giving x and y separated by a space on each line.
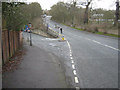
11 42
53 33
39 32
49 31
56 34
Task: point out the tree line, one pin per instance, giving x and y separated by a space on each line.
72 15
17 14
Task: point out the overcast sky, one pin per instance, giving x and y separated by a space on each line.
105 4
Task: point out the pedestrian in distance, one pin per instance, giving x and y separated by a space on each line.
61 30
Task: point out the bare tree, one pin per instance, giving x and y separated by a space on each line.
86 12
86 4
73 10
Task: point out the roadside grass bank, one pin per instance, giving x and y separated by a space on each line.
102 33
41 29
93 31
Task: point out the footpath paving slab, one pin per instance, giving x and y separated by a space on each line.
38 69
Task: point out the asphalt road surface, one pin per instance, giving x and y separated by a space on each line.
89 60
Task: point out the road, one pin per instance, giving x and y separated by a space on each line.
89 60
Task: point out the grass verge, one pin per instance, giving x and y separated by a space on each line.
100 33
78 29
113 35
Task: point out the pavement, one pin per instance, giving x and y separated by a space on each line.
38 69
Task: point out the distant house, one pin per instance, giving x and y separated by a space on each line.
96 15
119 20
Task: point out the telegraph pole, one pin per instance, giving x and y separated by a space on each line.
117 13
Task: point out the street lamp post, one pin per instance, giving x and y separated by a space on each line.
30 34
27 37
30 39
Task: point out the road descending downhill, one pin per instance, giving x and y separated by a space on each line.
95 56
88 60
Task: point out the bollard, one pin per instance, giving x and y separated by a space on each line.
62 37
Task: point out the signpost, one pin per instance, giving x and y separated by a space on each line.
26 29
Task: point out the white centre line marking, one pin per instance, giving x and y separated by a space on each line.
70 52
71 57
96 41
76 80
73 66
112 47
74 72
68 43
106 45
72 61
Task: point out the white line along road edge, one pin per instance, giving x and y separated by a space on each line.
76 79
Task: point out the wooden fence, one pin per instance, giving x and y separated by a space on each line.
11 42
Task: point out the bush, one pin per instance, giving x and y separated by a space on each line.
96 29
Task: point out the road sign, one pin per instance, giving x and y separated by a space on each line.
30 25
